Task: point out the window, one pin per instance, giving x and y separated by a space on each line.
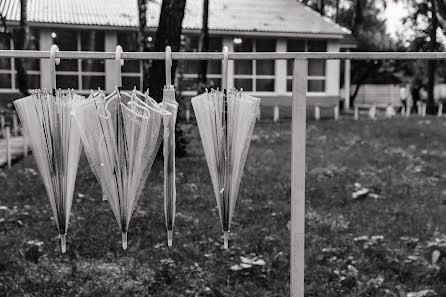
8 71
316 68
188 71
250 75
132 72
80 74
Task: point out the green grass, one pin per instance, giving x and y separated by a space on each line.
403 161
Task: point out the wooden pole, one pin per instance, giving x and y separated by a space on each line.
347 83
8 146
440 109
276 113
258 114
298 178
317 112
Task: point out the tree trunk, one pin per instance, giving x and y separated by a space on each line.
143 36
168 33
441 13
21 42
337 11
432 65
357 17
322 7
203 46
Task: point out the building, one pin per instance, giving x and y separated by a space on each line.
242 25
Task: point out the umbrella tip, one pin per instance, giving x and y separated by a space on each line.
169 237
226 238
63 243
124 240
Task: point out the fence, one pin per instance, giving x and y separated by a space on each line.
297 229
387 93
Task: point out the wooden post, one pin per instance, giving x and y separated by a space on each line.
15 125
276 113
298 178
336 112
356 113
317 112
258 114
389 111
347 75
423 109
440 109
8 146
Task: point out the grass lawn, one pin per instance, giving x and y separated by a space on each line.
389 242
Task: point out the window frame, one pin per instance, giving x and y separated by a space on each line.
254 76
195 75
79 73
13 73
309 77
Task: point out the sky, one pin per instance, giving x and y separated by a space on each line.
394 14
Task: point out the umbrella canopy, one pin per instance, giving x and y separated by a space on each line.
55 142
170 104
121 136
226 122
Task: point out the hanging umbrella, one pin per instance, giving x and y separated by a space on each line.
170 104
226 121
121 136
55 142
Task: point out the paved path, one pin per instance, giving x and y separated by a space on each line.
17 148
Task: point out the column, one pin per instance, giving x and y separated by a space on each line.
347 83
45 42
111 41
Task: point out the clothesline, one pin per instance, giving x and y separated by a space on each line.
231 55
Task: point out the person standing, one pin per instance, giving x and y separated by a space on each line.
403 97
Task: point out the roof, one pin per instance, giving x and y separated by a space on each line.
278 16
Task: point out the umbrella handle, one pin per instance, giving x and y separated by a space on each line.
124 240
53 63
168 65
225 61
169 237
226 239
119 63
63 243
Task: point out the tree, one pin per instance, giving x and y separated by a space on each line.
203 46
168 33
143 43
20 39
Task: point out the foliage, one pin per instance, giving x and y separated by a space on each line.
390 245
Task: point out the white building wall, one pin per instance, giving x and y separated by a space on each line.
333 70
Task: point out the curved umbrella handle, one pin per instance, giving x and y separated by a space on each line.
53 63
168 65
225 68
119 63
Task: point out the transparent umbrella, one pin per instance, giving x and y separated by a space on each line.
226 121
56 145
170 104
121 136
